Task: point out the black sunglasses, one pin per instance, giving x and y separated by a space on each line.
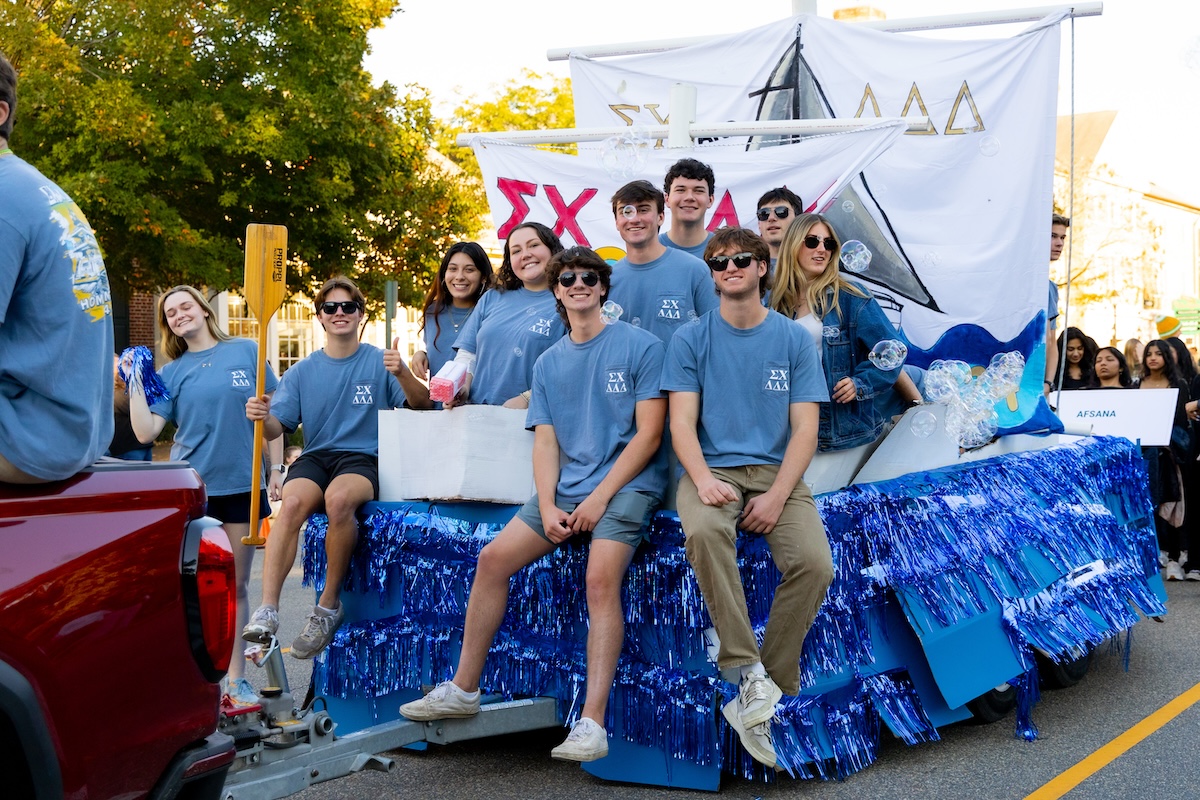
567 279
813 242
781 212
721 263
347 306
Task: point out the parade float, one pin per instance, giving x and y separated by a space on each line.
979 554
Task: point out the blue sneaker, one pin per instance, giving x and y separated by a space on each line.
242 693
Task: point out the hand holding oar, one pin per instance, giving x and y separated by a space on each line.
266 258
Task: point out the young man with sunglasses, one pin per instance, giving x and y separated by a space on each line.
744 386
336 393
688 188
777 210
658 288
596 401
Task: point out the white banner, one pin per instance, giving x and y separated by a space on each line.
573 194
957 216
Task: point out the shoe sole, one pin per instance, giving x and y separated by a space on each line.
731 716
765 713
257 635
594 756
420 716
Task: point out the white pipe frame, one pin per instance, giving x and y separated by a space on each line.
1093 8
696 130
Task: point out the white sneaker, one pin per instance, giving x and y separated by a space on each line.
445 701
1192 575
1174 573
263 624
1162 559
587 741
757 740
756 699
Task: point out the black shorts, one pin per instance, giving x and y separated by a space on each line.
322 466
235 508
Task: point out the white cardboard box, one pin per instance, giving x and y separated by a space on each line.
467 453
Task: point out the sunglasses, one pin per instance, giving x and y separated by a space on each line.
721 263
347 307
567 279
781 212
813 242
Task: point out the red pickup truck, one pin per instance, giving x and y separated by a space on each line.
116 625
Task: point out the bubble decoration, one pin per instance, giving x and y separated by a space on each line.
970 400
855 256
888 354
989 146
924 423
610 312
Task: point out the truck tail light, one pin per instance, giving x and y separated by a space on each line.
210 595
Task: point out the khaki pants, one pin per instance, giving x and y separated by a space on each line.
801 554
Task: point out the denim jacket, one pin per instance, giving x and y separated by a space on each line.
845 344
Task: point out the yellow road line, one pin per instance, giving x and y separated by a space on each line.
1066 781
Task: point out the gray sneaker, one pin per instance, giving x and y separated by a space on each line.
587 741
756 699
263 625
445 701
318 633
757 739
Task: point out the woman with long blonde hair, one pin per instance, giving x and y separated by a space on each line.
209 376
846 324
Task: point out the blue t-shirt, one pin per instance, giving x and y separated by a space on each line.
208 394
1052 305
664 294
439 345
507 333
589 392
338 400
747 380
695 250
56 333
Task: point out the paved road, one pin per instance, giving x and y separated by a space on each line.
971 761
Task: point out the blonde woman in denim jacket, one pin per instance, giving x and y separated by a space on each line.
846 323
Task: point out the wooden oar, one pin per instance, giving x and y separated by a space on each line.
266 259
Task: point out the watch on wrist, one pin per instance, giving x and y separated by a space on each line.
280 468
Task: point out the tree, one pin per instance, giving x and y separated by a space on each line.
174 123
528 103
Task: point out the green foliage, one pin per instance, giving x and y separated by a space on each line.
531 102
175 123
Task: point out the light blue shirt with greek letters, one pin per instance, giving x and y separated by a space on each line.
507 332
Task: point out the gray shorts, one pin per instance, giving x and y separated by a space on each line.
626 520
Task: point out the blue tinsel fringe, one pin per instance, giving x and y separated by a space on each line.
963 541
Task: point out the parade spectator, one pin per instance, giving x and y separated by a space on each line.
209 377
597 402
464 275
688 188
1078 350
745 384
125 444
1058 240
336 392
1189 469
512 325
1166 479
778 208
56 330
845 323
659 288
1111 370
1133 355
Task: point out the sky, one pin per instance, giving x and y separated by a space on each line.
1140 58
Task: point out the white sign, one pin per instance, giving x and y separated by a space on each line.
1144 416
573 194
472 452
